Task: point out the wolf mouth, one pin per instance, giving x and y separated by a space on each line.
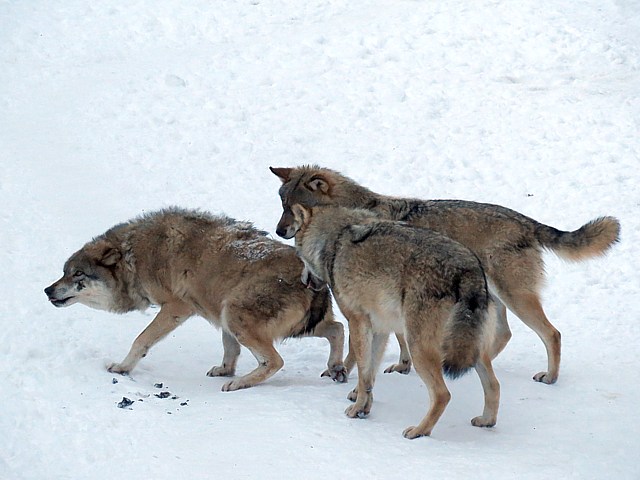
61 302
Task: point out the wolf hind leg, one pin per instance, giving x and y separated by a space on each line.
229 359
527 306
491 388
269 362
428 365
516 279
427 356
334 332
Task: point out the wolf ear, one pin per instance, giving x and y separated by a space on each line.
110 257
282 173
318 183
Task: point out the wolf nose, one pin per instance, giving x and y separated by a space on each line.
281 232
49 291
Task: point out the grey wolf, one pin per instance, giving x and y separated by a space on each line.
509 244
426 286
193 263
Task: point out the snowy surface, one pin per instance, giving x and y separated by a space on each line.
111 109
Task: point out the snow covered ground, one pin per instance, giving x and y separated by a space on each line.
110 109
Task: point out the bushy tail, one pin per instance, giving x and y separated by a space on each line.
464 335
454 371
590 240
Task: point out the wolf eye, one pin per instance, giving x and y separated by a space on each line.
78 274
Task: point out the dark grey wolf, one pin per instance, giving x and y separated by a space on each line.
193 263
391 277
508 243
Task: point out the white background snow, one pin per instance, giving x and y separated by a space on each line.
111 109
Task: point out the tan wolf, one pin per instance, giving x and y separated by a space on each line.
191 262
508 243
425 285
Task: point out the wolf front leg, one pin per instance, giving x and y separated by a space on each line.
170 317
367 348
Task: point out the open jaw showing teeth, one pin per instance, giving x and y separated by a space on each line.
61 302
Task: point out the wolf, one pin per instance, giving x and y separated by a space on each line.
508 244
189 263
426 286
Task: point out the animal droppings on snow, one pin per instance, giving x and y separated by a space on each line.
125 402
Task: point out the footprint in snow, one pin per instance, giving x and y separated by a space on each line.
174 81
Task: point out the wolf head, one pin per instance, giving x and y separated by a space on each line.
312 186
307 186
89 278
317 231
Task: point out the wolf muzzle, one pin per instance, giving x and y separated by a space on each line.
50 291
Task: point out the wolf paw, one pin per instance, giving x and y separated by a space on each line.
234 385
118 368
403 368
337 373
221 371
544 377
355 411
414 432
483 422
